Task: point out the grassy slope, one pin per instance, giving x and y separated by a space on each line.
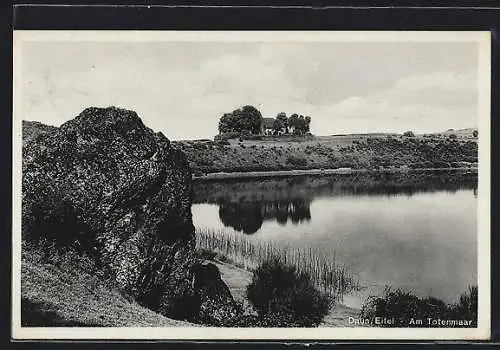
52 296
353 151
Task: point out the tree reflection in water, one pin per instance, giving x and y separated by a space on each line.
245 204
247 217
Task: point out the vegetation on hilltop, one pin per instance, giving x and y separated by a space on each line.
248 120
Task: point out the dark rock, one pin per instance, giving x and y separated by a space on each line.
107 186
217 306
31 130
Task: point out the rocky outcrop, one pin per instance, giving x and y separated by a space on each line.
108 187
32 129
217 305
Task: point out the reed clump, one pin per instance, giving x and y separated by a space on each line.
320 264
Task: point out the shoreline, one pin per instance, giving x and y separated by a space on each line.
237 279
315 172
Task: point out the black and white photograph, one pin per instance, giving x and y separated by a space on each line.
251 185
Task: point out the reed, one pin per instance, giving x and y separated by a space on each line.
320 263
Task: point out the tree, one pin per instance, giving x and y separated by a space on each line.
308 123
300 125
247 118
277 126
409 133
283 120
292 121
226 123
452 137
252 118
475 133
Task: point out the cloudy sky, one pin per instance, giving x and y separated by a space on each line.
182 88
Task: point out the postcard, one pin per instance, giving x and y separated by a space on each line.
284 185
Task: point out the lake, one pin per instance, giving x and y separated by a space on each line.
411 230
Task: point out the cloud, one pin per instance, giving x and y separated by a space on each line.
182 89
445 80
422 103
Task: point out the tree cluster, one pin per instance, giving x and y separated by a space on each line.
295 124
246 119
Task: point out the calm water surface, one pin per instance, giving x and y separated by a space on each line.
415 231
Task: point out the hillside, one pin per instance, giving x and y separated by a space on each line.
72 296
328 152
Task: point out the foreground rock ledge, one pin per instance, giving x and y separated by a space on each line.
108 186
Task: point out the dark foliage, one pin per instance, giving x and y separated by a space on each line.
205 254
284 297
403 307
296 161
247 118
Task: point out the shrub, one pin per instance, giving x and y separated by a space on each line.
466 308
403 306
282 296
409 134
220 140
205 254
296 161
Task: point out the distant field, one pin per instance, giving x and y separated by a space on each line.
356 151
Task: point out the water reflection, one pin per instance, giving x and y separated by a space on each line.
245 204
247 217
416 231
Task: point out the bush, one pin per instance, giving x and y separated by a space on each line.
296 161
403 307
466 308
282 296
227 136
205 254
409 134
220 141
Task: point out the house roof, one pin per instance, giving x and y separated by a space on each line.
268 122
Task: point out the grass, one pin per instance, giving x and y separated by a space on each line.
326 272
60 289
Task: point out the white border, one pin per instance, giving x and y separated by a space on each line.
482 332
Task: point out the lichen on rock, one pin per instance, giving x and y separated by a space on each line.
109 187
